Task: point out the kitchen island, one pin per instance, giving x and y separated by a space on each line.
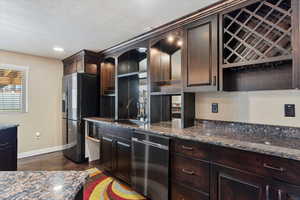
42 185
8 146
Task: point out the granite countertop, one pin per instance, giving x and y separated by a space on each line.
41 185
6 126
270 140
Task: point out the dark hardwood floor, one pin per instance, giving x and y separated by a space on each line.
51 162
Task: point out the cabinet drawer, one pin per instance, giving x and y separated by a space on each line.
180 192
191 149
190 172
243 160
282 169
264 165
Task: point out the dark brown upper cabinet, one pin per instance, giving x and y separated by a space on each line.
82 62
165 63
201 55
259 46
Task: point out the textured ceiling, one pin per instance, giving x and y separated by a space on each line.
36 26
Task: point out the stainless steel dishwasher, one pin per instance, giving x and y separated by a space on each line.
150 165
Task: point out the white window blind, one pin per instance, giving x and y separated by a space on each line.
12 89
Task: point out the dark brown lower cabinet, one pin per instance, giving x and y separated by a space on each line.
285 191
182 192
107 152
230 184
115 151
123 160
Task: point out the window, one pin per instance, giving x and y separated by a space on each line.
13 89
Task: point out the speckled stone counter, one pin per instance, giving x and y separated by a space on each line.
6 126
271 140
41 185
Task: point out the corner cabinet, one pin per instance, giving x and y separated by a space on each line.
201 55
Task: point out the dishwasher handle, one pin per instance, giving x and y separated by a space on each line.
153 144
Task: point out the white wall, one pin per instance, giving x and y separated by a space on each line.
263 107
44 102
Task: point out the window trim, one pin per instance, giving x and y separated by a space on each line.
25 69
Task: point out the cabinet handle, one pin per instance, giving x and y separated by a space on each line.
123 144
279 195
187 148
188 172
267 192
107 139
280 169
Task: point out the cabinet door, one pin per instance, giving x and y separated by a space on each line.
107 153
8 155
229 184
284 191
123 160
69 68
201 55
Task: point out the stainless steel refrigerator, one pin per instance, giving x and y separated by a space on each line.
79 100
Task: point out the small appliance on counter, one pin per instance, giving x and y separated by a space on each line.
79 100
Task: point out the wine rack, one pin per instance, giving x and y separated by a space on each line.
258 33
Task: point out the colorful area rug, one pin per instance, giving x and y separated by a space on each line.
103 187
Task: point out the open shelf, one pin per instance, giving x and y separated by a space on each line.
165 108
165 64
268 76
132 83
128 74
107 97
258 33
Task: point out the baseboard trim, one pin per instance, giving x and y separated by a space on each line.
41 151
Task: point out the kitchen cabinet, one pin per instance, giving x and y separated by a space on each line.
201 55
285 191
8 149
115 150
230 184
82 62
204 171
107 153
123 160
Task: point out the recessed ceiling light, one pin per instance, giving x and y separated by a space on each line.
180 43
170 38
58 49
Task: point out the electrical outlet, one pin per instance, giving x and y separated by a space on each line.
214 107
289 110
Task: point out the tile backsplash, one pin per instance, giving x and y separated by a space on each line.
263 107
